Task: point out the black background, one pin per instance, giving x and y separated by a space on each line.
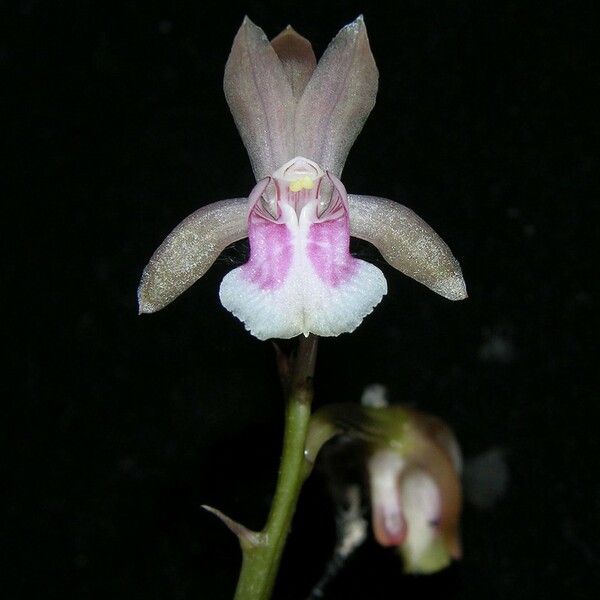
120 426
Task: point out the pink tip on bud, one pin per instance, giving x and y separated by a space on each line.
389 525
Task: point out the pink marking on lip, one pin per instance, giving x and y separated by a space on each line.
328 250
271 253
389 525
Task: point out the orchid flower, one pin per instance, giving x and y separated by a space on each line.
413 467
298 120
416 494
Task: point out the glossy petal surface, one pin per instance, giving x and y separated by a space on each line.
337 99
260 97
408 243
297 57
189 250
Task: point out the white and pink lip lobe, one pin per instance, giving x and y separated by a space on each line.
298 234
300 277
327 247
275 246
271 253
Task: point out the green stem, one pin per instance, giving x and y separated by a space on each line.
262 555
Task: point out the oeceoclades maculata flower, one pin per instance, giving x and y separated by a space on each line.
412 468
298 120
416 493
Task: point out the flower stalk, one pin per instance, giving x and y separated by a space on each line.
261 560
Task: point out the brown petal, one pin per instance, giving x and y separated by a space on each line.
337 99
260 98
407 243
296 54
189 250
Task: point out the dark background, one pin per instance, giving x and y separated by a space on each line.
120 426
